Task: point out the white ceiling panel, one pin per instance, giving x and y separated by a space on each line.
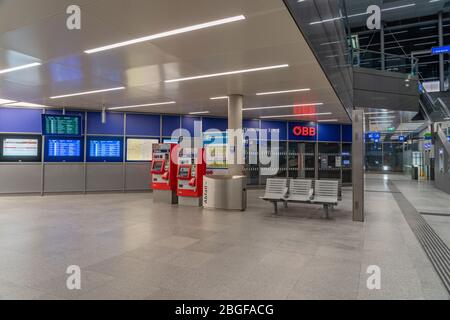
268 36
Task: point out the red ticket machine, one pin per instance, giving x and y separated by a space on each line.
191 170
164 174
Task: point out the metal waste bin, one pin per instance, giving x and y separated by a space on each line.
225 192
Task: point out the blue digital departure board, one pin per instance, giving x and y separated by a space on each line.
105 149
63 149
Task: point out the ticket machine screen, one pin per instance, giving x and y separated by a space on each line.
183 172
157 166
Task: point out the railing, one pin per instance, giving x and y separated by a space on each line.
385 62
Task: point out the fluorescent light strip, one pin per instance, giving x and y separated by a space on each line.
199 112
380 112
285 106
382 117
399 7
228 73
219 98
25 105
297 115
363 13
328 120
5 101
25 66
87 92
143 105
281 92
167 34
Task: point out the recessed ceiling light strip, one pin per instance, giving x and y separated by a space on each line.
285 106
199 112
167 34
86 92
281 92
25 66
297 115
219 98
143 105
228 73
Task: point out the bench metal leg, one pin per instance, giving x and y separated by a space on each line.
285 204
275 207
326 211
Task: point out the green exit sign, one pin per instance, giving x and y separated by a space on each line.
391 129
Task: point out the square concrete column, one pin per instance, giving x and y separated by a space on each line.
235 147
358 164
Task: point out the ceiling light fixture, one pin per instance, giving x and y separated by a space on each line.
219 98
199 112
25 66
380 112
297 115
382 117
281 92
5 101
86 92
143 105
23 104
285 106
167 34
228 73
362 13
328 120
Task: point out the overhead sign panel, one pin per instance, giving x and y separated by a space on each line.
61 125
440 50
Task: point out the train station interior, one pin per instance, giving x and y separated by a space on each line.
224 150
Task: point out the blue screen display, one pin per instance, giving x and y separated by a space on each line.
69 149
64 148
105 148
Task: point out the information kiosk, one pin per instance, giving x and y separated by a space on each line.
191 170
164 173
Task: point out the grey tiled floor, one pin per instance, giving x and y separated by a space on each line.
130 248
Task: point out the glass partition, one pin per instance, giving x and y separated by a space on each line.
302 160
329 161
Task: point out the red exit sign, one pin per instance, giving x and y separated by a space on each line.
302 131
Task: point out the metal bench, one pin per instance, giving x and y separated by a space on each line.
300 190
276 191
326 192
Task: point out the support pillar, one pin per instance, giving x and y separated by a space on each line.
235 105
382 47
358 164
441 56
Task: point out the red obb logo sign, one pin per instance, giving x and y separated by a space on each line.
301 131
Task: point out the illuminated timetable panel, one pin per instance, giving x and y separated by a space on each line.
20 147
105 148
61 125
64 148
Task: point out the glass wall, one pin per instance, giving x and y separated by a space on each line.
385 156
302 159
329 161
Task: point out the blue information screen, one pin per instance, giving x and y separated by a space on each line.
64 148
70 149
105 148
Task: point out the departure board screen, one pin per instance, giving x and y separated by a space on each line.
18 148
67 125
64 148
104 148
